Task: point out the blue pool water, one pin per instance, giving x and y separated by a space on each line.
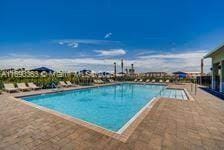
110 107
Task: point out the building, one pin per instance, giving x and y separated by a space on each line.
104 75
155 74
180 74
190 75
193 74
217 69
120 74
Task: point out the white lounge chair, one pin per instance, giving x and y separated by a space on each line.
153 81
136 80
140 80
160 81
96 81
167 81
33 86
111 80
9 87
62 84
23 87
69 83
147 80
101 81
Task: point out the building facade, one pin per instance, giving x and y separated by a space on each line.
180 74
194 74
217 70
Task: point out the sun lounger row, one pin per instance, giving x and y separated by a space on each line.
98 81
65 84
153 81
9 87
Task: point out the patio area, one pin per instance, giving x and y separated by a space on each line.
170 124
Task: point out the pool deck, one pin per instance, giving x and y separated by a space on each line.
170 124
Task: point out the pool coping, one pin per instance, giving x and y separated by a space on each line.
122 134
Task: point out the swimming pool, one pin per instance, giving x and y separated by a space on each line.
109 107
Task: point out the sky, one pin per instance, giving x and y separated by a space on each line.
70 35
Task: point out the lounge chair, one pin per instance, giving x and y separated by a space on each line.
96 81
136 80
167 81
69 83
111 80
140 80
33 86
9 87
153 81
62 84
101 81
23 87
147 80
160 81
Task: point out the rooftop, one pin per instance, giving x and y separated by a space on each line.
215 51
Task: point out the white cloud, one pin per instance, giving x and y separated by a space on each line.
65 64
193 54
75 42
71 44
186 61
112 52
61 43
108 35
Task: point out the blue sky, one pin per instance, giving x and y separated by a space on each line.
155 35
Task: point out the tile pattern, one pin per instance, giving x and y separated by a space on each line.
170 124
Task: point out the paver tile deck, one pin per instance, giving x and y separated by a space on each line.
170 124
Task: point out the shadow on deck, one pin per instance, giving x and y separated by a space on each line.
215 93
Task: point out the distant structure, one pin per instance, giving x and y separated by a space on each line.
12 69
104 75
126 70
132 70
180 74
202 71
194 74
115 69
155 74
7 70
21 69
190 75
120 74
122 66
